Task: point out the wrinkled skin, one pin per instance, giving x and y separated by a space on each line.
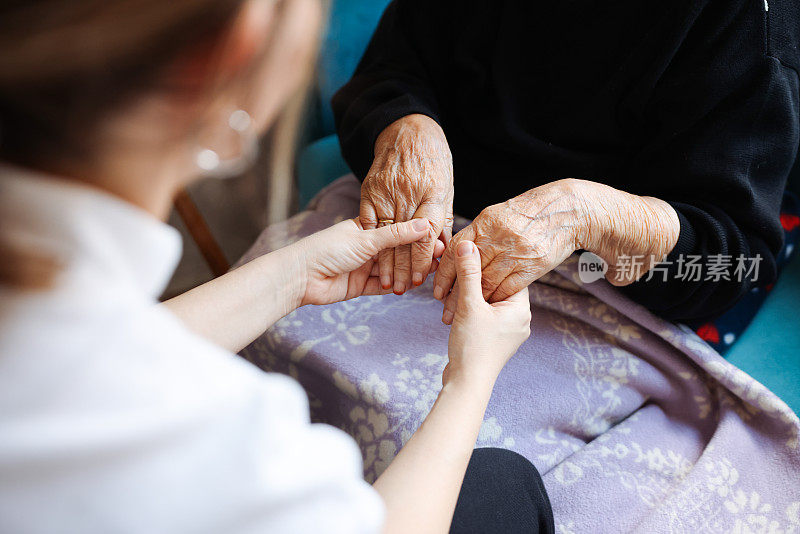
527 236
411 177
519 240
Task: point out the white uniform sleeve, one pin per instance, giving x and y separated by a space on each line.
175 442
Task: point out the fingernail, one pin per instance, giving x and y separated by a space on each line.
399 288
386 282
464 248
419 224
447 317
438 292
417 279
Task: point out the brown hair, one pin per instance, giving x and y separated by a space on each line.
65 64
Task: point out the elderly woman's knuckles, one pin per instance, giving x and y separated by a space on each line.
410 185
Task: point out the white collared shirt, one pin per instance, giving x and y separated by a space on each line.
116 418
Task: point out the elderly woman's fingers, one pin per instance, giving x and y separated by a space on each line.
402 269
446 273
423 250
372 286
385 218
438 248
402 254
367 216
447 227
394 235
386 268
513 284
494 272
376 270
450 305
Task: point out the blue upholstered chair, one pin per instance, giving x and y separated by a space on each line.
769 349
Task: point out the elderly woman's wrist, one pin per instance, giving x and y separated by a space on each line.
592 216
620 224
408 127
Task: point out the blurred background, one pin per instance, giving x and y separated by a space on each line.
237 210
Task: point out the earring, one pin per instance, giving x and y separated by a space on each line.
209 160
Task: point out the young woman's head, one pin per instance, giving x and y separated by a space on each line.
124 94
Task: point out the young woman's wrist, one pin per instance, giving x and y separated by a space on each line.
462 377
477 388
289 286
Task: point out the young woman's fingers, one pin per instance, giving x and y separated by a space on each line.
469 281
519 306
356 280
446 273
468 269
520 296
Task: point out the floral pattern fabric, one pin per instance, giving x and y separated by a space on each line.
636 424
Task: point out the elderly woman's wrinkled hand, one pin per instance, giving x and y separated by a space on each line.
529 235
411 177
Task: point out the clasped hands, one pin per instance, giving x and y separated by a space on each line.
339 263
518 240
482 273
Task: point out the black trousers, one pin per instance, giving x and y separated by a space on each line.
502 493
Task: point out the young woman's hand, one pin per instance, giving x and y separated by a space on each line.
484 336
339 261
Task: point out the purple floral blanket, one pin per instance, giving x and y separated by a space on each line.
635 423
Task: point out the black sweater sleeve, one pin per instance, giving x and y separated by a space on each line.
390 82
729 110
698 108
